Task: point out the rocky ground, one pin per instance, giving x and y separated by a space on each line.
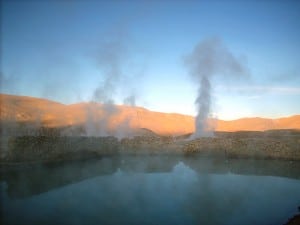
257 145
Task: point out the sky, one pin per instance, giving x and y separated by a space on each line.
73 50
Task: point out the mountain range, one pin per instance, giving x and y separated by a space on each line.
54 114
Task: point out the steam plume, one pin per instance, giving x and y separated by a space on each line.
111 57
208 59
130 100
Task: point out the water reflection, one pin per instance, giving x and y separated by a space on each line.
153 190
33 179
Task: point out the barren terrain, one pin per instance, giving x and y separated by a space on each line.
24 110
39 130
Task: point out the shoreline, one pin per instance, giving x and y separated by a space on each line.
31 149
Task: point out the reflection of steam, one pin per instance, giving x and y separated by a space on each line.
156 193
208 59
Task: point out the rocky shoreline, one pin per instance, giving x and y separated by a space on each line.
262 145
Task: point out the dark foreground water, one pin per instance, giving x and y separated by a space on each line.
152 190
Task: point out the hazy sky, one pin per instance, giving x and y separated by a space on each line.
64 50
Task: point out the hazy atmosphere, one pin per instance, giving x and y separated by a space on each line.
150 112
140 52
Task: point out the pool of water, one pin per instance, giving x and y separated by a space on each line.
152 190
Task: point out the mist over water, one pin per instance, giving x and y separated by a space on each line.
210 58
77 164
154 190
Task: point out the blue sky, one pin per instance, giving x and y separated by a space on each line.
51 49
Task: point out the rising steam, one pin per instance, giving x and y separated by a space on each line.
208 59
111 56
108 58
130 100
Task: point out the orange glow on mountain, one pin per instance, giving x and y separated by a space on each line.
53 114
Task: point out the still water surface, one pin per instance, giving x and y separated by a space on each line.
153 191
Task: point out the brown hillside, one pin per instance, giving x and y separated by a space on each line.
53 114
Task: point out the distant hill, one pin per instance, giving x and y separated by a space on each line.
48 113
259 124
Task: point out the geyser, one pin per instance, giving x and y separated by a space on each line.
208 59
